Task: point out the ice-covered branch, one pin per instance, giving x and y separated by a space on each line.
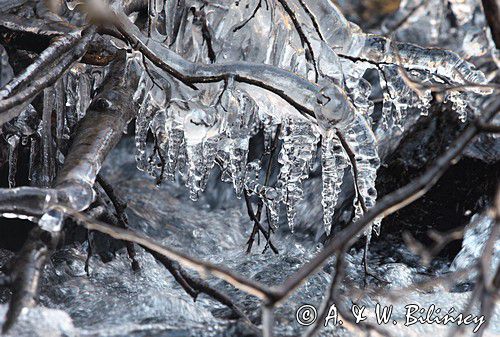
327 23
97 133
296 90
10 106
44 60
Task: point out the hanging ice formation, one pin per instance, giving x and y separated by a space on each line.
299 147
195 130
333 162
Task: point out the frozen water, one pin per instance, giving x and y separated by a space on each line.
299 147
115 301
41 322
334 161
476 234
216 124
327 49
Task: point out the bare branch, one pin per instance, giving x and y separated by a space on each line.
252 287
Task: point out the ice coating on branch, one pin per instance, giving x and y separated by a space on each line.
51 221
78 85
337 116
142 125
398 97
84 91
334 161
299 146
218 121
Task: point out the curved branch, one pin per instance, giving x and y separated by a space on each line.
296 90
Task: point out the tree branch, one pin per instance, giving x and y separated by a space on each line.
297 91
9 107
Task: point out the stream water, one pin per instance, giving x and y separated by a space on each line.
116 301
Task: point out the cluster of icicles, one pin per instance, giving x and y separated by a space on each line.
193 131
48 138
192 139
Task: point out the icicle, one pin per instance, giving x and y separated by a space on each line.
195 169
210 148
70 85
34 161
62 133
47 159
270 196
299 144
238 152
268 129
142 123
334 161
201 158
176 146
154 104
337 115
201 150
13 142
157 160
239 112
364 146
84 91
